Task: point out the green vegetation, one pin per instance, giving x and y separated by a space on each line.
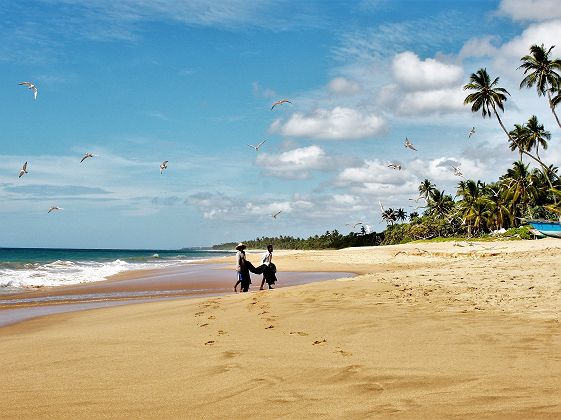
478 209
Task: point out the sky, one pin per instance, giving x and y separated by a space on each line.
137 82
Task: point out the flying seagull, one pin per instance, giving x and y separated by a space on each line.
282 101
87 155
408 144
163 166
416 200
354 225
256 147
395 166
381 206
32 87
53 208
276 214
23 170
457 171
471 132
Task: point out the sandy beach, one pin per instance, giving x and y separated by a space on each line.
439 330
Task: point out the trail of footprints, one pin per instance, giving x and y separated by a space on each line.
270 321
263 310
205 320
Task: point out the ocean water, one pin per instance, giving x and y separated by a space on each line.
37 267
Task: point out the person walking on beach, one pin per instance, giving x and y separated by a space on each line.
242 269
269 272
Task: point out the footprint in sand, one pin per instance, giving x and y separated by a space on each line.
269 327
209 343
302 333
221 332
199 313
319 342
343 352
203 325
229 354
263 313
211 317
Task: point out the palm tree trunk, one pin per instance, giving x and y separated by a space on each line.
520 148
553 108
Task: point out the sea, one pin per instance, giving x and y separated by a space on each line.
23 268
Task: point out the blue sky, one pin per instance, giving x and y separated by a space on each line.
137 82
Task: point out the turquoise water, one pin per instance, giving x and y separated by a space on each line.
37 267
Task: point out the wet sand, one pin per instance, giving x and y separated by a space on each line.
448 330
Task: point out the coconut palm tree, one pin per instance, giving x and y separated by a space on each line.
413 215
426 188
537 135
487 97
389 216
439 204
520 139
543 72
400 214
520 190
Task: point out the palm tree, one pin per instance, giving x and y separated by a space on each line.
520 139
487 97
426 188
389 216
400 214
439 204
537 135
542 72
520 190
413 215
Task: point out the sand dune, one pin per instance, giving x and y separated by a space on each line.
428 330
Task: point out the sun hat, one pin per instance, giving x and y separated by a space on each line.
241 246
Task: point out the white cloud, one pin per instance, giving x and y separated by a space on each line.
415 74
296 163
339 123
433 101
530 10
479 47
343 86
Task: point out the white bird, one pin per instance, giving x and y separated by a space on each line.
23 170
457 171
53 208
408 144
163 166
354 225
416 200
276 214
282 101
32 87
471 132
256 147
381 207
87 155
395 166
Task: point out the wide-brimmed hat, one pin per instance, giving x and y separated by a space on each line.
241 246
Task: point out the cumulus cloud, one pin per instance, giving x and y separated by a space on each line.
296 163
343 86
415 74
339 123
530 10
432 101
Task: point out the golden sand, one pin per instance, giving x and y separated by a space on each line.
426 331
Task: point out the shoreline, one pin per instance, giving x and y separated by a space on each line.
426 331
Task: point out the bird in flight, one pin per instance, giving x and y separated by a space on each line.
87 155
163 166
471 132
408 144
395 166
381 206
53 208
457 171
416 200
354 225
276 214
256 147
282 101
23 170
32 87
